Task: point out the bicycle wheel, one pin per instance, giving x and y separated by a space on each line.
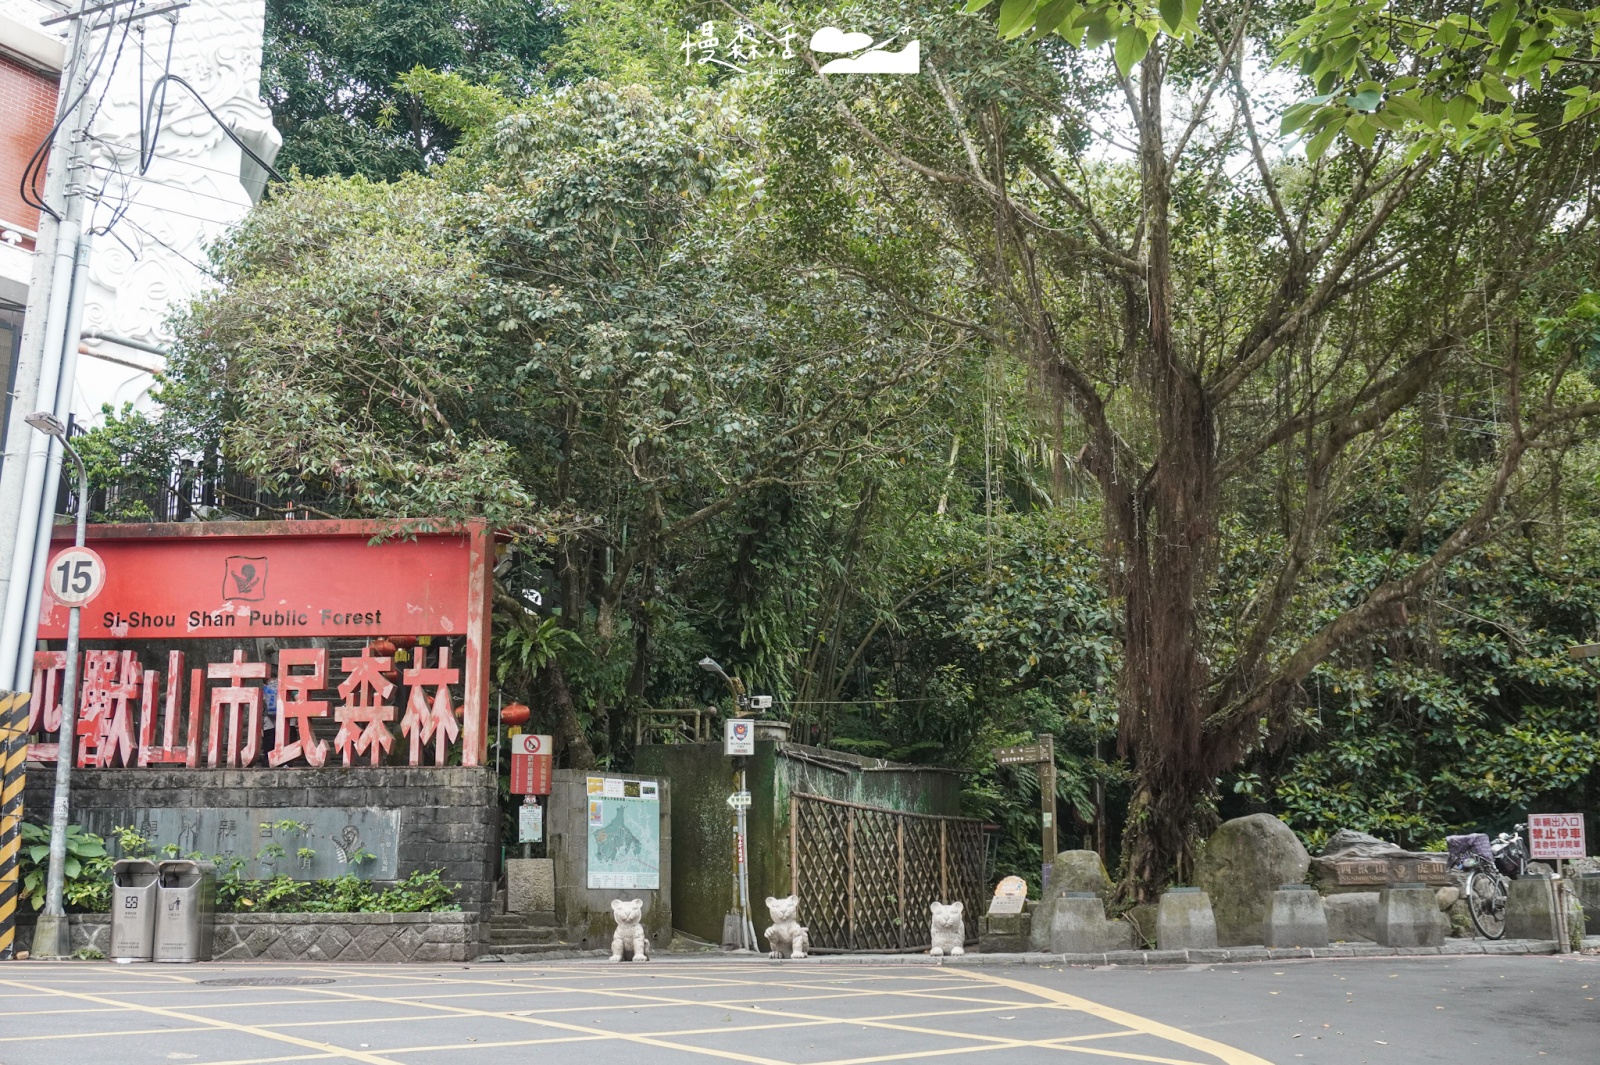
1486 904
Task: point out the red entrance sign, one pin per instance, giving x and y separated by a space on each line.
292 578
530 774
238 580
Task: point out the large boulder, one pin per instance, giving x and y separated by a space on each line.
1071 871
1241 865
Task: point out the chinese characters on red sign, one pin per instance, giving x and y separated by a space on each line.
232 723
1555 836
310 581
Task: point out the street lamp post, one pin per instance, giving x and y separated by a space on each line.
741 853
50 935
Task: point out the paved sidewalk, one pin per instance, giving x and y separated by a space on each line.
1230 955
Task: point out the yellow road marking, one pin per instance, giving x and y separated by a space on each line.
669 992
370 1059
97 1035
1221 1051
269 1061
661 1038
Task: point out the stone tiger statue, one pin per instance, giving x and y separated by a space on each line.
629 942
947 932
786 932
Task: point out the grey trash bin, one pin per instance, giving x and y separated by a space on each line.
134 885
184 909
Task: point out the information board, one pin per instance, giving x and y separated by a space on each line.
530 823
624 833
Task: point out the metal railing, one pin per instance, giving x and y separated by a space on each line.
193 490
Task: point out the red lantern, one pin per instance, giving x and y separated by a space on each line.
515 714
382 648
405 642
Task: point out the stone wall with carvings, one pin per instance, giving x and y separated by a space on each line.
341 937
446 818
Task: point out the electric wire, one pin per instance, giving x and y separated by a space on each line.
144 161
27 184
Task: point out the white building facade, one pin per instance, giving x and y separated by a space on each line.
155 212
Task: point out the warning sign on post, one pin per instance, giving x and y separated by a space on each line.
1555 836
530 765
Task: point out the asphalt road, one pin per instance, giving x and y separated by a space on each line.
698 1012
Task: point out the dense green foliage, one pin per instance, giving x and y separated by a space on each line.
855 385
88 866
87 885
330 70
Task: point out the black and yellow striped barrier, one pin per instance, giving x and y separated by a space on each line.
13 747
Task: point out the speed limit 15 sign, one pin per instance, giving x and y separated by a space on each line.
76 576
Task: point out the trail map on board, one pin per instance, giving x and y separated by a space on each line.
624 833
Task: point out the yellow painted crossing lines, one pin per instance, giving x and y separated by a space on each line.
245 1029
910 1015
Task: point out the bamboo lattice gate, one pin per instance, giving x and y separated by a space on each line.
866 874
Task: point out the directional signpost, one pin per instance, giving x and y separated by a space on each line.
1042 753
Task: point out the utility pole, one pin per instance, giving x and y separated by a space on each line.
52 936
47 334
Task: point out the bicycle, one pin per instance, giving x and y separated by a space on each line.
1490 867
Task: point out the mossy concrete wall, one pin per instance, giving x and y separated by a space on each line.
584 913
702 779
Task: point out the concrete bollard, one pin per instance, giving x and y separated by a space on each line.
1295 918
1587 887
1408 916
1530 908
1078 925
1184 920
1352 916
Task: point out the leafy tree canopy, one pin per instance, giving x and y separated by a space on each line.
330 67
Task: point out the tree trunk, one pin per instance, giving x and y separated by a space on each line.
1162 531
569 730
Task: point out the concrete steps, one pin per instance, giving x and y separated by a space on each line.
524 933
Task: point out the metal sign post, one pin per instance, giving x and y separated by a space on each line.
1042 753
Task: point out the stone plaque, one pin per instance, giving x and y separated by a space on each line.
1380 871
1005 904
303 843
1010 895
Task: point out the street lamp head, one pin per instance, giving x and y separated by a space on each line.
709 664
47 423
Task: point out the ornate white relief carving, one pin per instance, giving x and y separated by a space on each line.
152 258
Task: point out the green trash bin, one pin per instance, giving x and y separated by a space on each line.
185 905
134 886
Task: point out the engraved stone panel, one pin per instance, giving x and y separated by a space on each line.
321 843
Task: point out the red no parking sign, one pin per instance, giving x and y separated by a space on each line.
530 764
